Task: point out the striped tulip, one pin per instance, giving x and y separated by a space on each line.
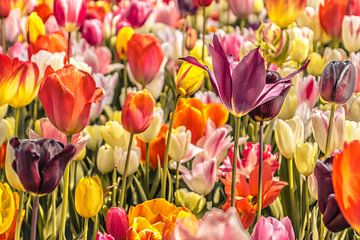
70 14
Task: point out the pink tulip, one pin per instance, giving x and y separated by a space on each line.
308 91
92 31
168 15
100 236
355 59
117 223
70 14
232 43
241 8
270 228
138 12
51 25
12 25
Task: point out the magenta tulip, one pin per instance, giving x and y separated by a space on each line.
138 12
70 14
117 223
92 31
270 228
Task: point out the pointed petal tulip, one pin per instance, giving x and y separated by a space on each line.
116 222
345 181
67 95
284 12
70 14
89 196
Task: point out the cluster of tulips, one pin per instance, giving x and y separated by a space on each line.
180 119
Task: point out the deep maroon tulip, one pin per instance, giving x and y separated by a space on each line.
337 82
117 223
186 7
332 216
40 163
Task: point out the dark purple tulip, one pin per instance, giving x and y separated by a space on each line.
332 216
186 7
40 163
337 82
242 87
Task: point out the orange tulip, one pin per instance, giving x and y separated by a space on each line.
217 113
145 57
331 14
137 111
67 95
346 180
54 42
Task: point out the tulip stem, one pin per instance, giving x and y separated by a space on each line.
261 143
18 218
147 167
291 189
203 34
65 195
329 132
96 226
53 202
123 183
114 181
177 176
3 35
234 160
125 78
34 217
307 209
166 155
86 225
17 121
68 47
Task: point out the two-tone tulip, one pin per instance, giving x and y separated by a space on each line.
284 12
116 222
92 31
123 37
34 27
305 157
154 127
180 143
189 79
350 33
331 14
70 14
193 201
138 12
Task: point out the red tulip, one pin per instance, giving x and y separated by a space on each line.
202 3
67 95
70 14
117 223
4 8
137 111
145 57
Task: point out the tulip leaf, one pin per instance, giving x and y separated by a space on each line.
140 190
170 187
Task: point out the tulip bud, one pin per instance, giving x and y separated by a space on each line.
4 9
287 134
189 79
120 155
191 38
105 159
70 14
115 135
154 128
180 142
116 222
284 12
92 31
316 64
137 111
305 157
193 201
320 124
88 196
94 131
289 106
34 27
123 37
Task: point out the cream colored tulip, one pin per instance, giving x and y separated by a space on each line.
290 104
154 128
306 157
352 131
115 135
350 33
96 139
105 159
179 144
120 160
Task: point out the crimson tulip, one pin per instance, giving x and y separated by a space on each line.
67 95
202 3
116 222
138 12
70 14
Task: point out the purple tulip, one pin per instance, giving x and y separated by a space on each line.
40 163
186 7
117 223
270 228
242 86
332 216
337 82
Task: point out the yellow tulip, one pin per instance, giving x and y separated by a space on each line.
316 64
7 207
34 27
189 79
88 196
115 135
284 12
305 157
123 37
10 173
290 104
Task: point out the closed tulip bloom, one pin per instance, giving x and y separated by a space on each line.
290 105
180 143
154 128
308 91
189 79
287 134
67 95
271 228
284 12
92 31
350 33
123 37
138 12
190 38
94 131
137 111
331 14
70 14
305 157
115 135
34 27
105 159
116 222
337 82
120 160
89 196
5 8
202 3
40 164
241 9
345 179
316 64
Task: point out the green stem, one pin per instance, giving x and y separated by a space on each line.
34 217
177 176
329 132
307 233
96 227
124 177
35 110
125 78
261 145
65 195
86 225
166 155
147 167
114 181
234 160
17 121
53 202
291 189
3 35
18 218
68 47
203 34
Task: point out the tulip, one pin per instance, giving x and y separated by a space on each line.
105 159
94 131
353 108
316 64
352 131
308 91
241 9
189 79
190 38
202 3
194 202
138 12
232 43
337 82
331 13
116 222
305 157
40 164
92 31
137 111
320 123
154 128
328 206
350 30
100 236
287 134
290 105
88 196
284 12
54 42
186 7
114 134
344 180
7 212
120 160
34 27
70 14
271 228
145 57
68 108
43 59
334 54
4 9
180 143
123 37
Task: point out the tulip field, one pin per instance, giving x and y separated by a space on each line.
180 119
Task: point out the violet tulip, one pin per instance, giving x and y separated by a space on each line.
270 228
186 7
116 222
70 14
92 31
40 164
